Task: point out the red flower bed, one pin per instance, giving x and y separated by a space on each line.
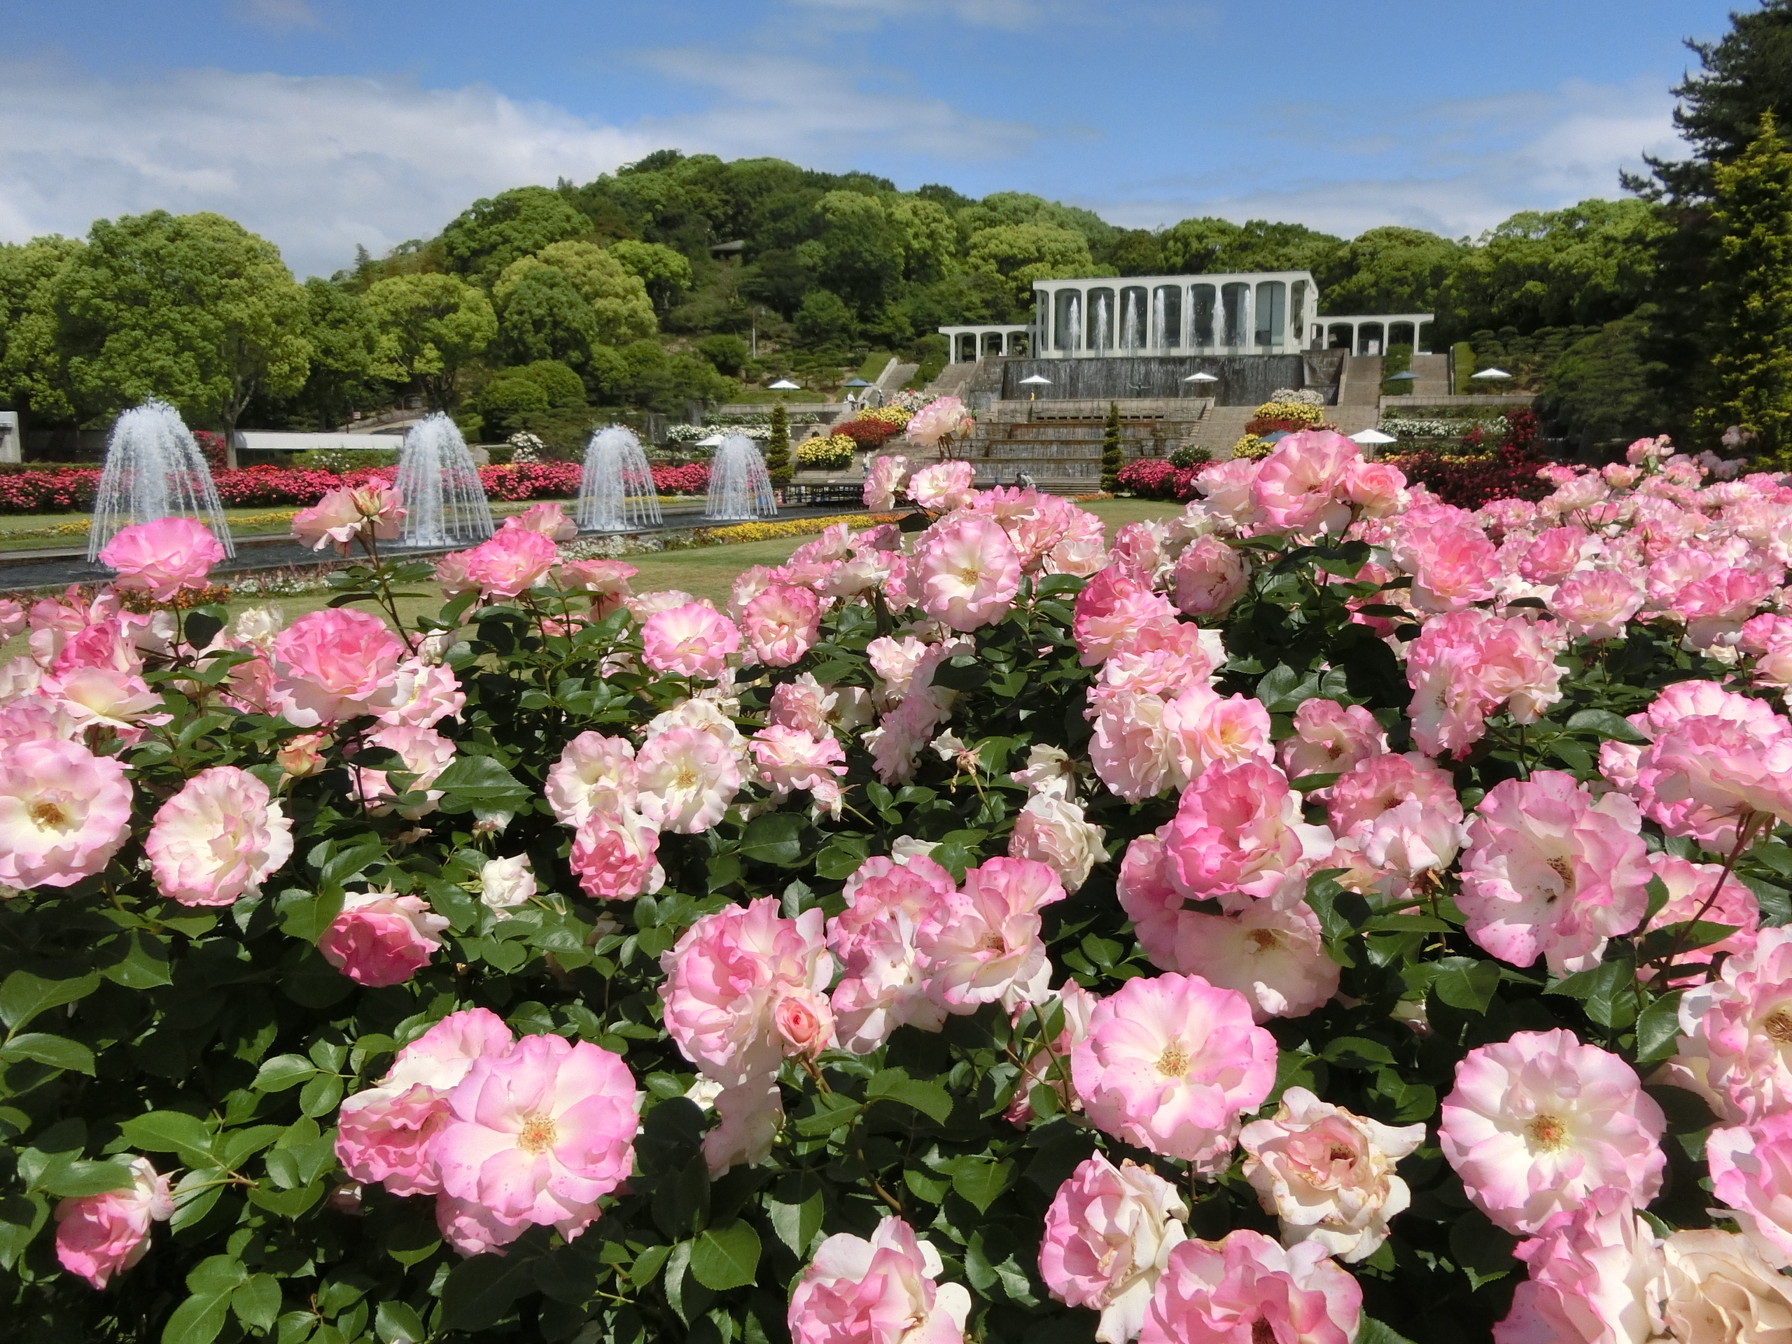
532 480
690 479
1156 478
65 491
869 433
1470 482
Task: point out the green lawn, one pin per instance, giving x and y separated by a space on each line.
709 571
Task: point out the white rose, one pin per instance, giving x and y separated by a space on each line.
1053 832
506 883
1328 1174
1716 1289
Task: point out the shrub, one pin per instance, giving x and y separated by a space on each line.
558 968
1251 446
1471 478
1287 416
1190 455
1113 454
777 446
690 479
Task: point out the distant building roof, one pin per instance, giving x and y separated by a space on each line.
736 247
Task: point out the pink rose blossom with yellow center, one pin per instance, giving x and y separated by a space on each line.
64 812
1108 1235
217 839
1171 1063
162 558
381 938
968 572
690 640
1538 1122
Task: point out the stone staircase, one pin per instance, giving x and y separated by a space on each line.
1362 381
1058 442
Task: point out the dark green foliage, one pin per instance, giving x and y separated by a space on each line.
1113 452
1602 393
727 353
777 446
490 234
1748 377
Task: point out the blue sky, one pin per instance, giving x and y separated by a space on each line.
325 123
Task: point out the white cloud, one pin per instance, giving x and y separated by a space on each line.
283 16
317 164
818 115
1010 15
322 163
1456 168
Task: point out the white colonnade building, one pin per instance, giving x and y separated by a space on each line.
1244 313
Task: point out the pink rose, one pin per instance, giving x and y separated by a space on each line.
726 980
1108 1234
881 1291
790 760
782 624
1170 1063
548 518
509 562
1207 729
1376 488
163 557
1738 1031
332 665
982 943
539 1134
685 779
969 572
883 482
1597 605
941 418
423 754
218 838
1594 1278
875 939
1538 1122
1551 871
1237 834
64 812
692 640
1272 952
749 1116
1690 885
97 1236
1299 486
1751 1171
1330 739
381 938
1248 1288
942 487
345 513
615 854
593 771
1328 1174
1209 577
1054 831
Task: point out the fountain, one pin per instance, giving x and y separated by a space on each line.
444 501
1129 322
1158 333
739 488
1074 320
153 470
1101 323
616 493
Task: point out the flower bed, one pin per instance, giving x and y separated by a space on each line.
829 454
1330 915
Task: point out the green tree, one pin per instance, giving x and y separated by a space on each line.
665 274
542 315
1748 378
1206 246
516 398
33 376
191 308
490 234
1603 392
426 329
824 320
1591 263
341 377
616 299
777 447
727 353
1389 270
859 253
1019 254
1113 452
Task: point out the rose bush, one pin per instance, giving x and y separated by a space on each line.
1305 918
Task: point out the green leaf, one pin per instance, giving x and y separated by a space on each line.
479 1292
281 1072
213 1282
398 1323
1602 723
725 1257
979 1180
69 1177
932 1100
1657 1029
57 1051
257 1302
774 838
170 1132
1372 1331
1465 983
479 783
1607 992
795 1207
24 995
